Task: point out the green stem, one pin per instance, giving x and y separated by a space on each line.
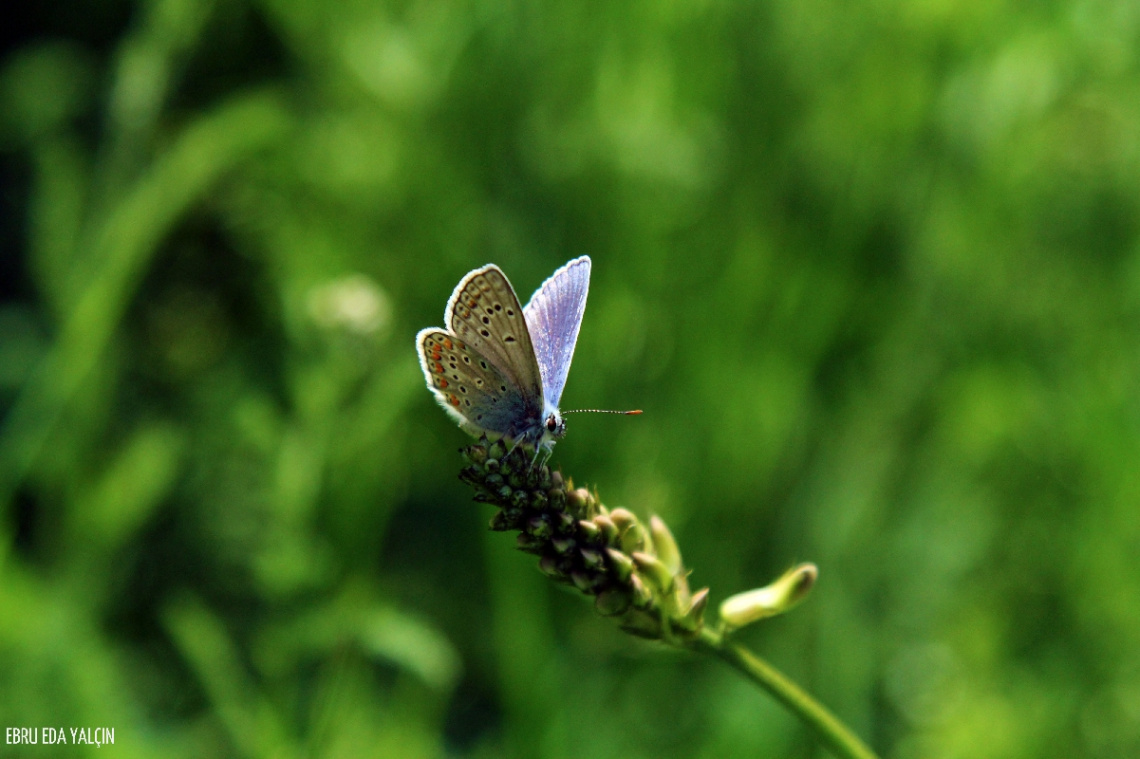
833 733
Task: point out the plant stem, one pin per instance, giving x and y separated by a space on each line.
833 733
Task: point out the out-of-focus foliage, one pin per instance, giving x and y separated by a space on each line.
871 269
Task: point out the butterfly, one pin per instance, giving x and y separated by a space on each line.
499 367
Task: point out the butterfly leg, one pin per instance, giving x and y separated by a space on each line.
545 451
514 444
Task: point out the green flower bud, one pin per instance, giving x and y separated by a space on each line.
693 618
563 545
654 571
642 595
665 544
608 528
503 521
623 518
681 597
633 539
534 479
635 570
621 564
592 559
588 530
564 523
777 598
476 454
539 527
576 500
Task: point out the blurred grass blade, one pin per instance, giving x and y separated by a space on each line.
124 245
412 644
208 650
55 220
128 490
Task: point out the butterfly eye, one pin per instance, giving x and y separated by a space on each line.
551 423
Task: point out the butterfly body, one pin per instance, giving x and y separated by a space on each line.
499 368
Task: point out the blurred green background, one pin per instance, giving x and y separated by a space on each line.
871 270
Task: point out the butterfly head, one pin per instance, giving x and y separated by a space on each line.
554 427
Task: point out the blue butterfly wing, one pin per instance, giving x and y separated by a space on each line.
472 388
485 313
553 317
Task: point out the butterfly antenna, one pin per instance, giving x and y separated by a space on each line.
601 411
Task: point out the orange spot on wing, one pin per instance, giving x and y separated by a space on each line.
447 343
453 400
438 368
442 382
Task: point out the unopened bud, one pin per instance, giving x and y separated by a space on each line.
563 545
633 539
503 521
576 500
691 620
539 526
642 595
622 518
592 559
777 598
655 572
588 530
608 528
476 454
622 564
665 544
